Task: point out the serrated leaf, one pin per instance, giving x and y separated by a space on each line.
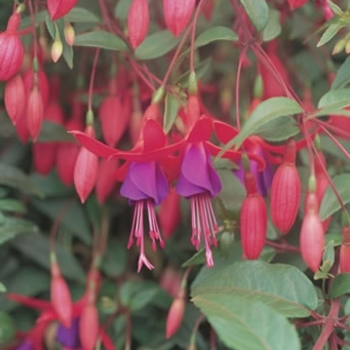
343 75
265 112
13 227
330 32
80 14
74 219
284 288
273 27
37 247
101 39
214 34
330 203
156 45
340 285
13 177
258 12
170 113
335 99
246 325
52 132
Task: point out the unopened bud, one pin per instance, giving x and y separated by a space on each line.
69 34
339 46
56 50
175 317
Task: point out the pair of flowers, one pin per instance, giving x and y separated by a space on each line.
153 163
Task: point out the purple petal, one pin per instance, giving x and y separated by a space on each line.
197 173
69 336
145 181
26 345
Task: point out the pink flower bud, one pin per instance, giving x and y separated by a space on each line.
89 326
31 78
59 8
11 49
311 234
177 14
253 220
175 317
193 111
113 120
35 113
69 34
14 98
44 155
286 191
170 213
60 296
21 128
345 258
138 22
85 170
105 179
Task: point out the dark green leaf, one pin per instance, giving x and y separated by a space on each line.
343 75
335 99
340 285
51 132
214 34
247 325
37 248
284 288
156 45
13 227
271 109
74 219
101 39
273 27
122 9
7 329
12 206
114 262
50 185
330 32
80 14
258 12
13 177
171 108
330 203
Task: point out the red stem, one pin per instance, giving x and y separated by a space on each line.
92 78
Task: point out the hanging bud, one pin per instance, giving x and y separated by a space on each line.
21 128
294 4
11 49
59 8
286 191
138 22
170 214
175 317
85 170
208 9
35 112
177 14
311 234
44 157
193 111
345 250
69 34
89 326
56 50
14 98
113 120
60 295
105 179
253 219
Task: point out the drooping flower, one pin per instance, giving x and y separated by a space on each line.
138 22
59 8
14 98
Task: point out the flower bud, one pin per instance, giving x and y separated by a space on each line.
56 50
193 111
44 155
177 14
85 170
59 8
11 49
14 98
253 220
21 128
31 78
89 326
175 317
170 213
311 234
105 179
345 258
138 22
35 113
286 191
69 34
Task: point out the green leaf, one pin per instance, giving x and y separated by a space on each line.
122 9
74 219
51 132
284 288
330 203
12 206
330 32
37 248
214 34
50 185
13 177
114 262
13 227
2 288
265 112
335 8
7 329
335 99
273 27
156 45
200 68
247 325
80 14
38 17
340 285
170 113
258 12
101 39
343 75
